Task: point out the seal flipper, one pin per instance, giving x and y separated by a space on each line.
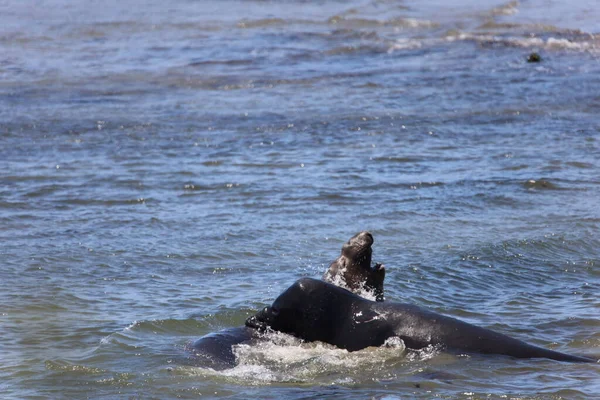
375 281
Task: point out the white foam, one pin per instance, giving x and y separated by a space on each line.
406 44
552 43
283 358
528 42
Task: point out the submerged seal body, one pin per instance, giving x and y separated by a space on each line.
353 270
314 310
215 350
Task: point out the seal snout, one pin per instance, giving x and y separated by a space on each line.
260 320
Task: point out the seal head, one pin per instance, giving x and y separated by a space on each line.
352 269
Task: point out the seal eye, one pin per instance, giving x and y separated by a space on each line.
274 311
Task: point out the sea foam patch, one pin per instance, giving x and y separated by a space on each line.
286 359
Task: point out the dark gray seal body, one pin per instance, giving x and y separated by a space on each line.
352 269
215 350
314 310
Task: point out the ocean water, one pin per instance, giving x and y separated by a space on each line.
168 168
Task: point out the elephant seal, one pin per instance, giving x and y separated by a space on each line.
315 310
352 269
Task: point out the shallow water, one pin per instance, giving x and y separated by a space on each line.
169 169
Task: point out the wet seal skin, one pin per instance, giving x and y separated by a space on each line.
215 350
352 269
314 310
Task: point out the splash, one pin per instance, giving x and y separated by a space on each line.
286 359
338 280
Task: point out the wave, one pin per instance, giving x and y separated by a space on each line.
579 43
